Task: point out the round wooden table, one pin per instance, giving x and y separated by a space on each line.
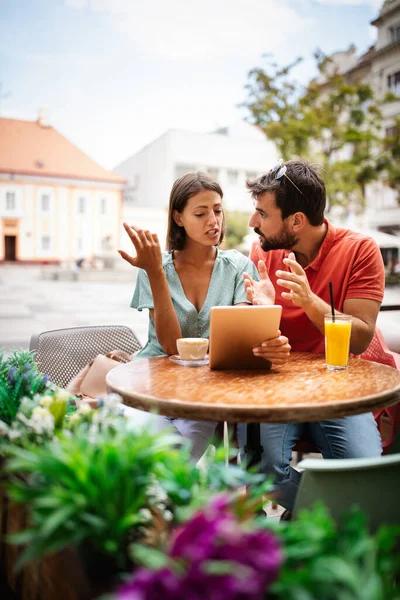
300 391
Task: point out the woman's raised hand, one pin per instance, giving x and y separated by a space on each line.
259 292
148 249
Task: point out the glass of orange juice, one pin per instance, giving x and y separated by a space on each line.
337 341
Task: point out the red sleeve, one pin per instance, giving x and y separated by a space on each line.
367 279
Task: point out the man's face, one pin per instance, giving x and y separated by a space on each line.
267 222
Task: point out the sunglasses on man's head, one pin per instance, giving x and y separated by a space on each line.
280 171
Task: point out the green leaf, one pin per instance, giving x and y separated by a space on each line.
150 558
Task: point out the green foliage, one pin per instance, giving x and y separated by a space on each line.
237 227
325 561
106 483
331 120
19 377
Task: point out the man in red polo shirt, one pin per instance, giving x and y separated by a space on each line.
298 253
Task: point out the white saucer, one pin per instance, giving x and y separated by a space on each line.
175 358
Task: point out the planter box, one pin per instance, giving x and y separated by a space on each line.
60 576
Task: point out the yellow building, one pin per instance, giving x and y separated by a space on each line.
56 203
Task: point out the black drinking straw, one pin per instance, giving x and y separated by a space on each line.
332 304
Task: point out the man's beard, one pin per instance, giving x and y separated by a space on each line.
285 240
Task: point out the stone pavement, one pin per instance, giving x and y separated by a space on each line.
30 302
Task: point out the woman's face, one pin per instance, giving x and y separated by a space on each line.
202 218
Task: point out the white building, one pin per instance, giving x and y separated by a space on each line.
56 203
380 68
230 155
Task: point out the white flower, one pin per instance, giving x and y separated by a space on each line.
26 405
46 401
112 401
14 434
85 409
156 493
168 516
39 412
4 429
62 395
74 418
42 421
145 514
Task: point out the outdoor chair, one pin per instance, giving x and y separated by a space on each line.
62 353
388 418
369 483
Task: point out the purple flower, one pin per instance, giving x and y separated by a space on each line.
11 377
217 559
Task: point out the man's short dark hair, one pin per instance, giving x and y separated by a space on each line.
288 199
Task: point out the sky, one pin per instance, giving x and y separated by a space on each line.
116 74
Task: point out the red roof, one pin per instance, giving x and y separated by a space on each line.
28 148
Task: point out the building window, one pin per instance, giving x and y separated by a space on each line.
130 197
45 242
103 207
45 203
10 201
394 33
394 83
232 177
213 172
81 205
390 132
181 170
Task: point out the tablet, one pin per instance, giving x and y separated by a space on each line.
236 330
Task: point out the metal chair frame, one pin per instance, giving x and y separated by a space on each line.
62 353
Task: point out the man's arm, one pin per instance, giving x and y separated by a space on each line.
364 311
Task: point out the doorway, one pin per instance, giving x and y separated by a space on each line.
10 243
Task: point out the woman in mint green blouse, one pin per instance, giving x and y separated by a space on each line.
226 288
180 286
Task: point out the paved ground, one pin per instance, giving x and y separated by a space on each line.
31 302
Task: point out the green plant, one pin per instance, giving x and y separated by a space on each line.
19 378
320 120
38 420
329 561
106 483
237 227
227 551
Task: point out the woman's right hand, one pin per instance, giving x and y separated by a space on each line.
148 249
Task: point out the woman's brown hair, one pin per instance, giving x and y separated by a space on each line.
184 188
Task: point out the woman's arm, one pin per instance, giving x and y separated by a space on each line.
149 258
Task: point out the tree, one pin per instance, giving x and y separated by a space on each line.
237 227
331 120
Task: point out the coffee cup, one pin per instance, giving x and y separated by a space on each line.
192 348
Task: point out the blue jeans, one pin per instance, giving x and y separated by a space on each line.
349 437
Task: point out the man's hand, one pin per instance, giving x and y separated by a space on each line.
276 350
259 292
296 282
148 249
